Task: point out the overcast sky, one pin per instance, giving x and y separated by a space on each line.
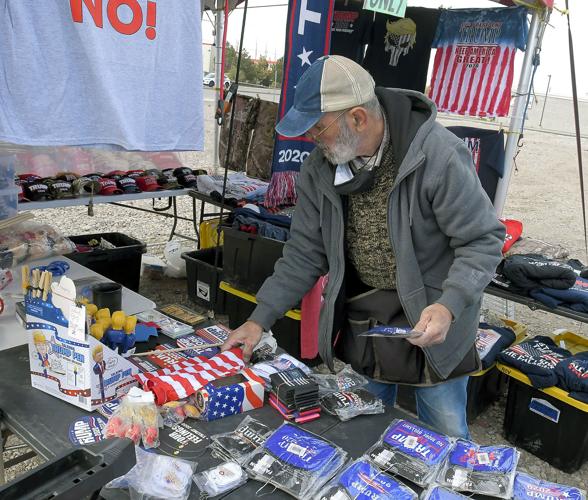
266 27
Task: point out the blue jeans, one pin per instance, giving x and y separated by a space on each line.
441 406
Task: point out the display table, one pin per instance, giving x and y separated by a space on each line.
170 194
12 332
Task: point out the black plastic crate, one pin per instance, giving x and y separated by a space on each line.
483 390
547 427
286 330
121 264
249 259
204 278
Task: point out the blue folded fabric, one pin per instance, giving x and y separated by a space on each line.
264 215
575 298
572 375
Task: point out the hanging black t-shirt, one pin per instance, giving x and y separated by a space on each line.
399 48
487 148
350 30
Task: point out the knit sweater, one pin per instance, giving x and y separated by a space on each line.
367 238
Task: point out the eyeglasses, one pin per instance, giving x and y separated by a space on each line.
315 137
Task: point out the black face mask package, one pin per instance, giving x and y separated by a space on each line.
295 461
220 479
411 451
436 492
350 404
249 435
345 380
361 480
486 470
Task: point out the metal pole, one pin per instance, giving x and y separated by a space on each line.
516 121
545 99
218 57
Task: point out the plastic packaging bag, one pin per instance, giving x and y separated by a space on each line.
360 479
350 404
176 266
137 418
526 486
249 435
220 479
392 332
486 470
296 461
157 477
345 380
28 241
436 492
411 451
281 363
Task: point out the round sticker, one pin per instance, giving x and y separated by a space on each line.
87 430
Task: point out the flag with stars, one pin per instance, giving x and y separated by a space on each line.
220 402
308 37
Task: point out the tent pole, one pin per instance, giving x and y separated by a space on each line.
520 101
218 57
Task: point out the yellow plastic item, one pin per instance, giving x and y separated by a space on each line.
292 313
105 322
97 331
130 324
208 234
91 309
573 343
118 320
102 313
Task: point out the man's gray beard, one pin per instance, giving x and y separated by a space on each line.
345 148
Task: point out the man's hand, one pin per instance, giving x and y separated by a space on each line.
247 336
434 323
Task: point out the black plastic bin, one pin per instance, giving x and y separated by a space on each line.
286 330
121 264
547 427
204 278
249 259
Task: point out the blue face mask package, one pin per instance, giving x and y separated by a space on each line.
360 480
487 470
526 487
392 332
295 460
436 492
410 451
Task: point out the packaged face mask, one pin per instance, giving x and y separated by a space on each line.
295 460
526 486
435 492
360 480
249 435
345 380
220 479
410 451
349 404
487 470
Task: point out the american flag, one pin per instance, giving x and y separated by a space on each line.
474 62
188 376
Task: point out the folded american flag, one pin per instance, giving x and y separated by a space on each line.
186 377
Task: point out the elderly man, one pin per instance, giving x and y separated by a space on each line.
390 206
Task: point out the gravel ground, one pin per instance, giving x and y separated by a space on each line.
544 194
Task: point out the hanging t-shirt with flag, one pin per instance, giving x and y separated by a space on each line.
474 63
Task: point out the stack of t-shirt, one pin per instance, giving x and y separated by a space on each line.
572 375
491 340
532 272
537 358
575 297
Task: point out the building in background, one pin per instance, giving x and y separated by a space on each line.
208 57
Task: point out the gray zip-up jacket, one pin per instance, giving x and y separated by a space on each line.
443 228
